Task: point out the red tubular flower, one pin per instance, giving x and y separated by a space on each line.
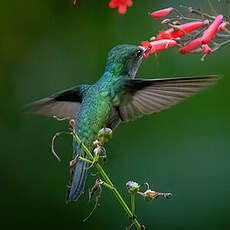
121 4
157 46
161 13
222 26
190 46
206 49
210 32
147 54
147 45
180 31
153 39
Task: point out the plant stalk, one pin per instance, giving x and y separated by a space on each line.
133 202
109 182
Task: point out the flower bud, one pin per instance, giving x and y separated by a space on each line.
97 150
190 46
161 13
132 186
206 22
96 143
104 135
222 26
211 31
206 49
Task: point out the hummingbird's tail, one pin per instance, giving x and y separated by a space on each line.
77 181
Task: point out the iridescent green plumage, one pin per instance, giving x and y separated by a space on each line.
116 97
98 108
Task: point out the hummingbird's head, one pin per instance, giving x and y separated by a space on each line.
125 60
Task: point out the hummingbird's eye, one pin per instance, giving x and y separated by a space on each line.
139 53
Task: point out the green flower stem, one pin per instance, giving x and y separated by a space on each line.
106 185
109 183
82 144
85 159
133 202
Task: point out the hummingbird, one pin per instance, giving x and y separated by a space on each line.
115 98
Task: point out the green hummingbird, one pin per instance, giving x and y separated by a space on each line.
115 98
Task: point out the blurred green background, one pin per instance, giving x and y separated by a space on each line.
49 45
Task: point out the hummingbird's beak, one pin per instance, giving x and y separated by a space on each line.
143 48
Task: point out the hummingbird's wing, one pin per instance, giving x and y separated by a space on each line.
146 96
63 105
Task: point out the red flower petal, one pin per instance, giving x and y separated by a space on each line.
129 2
206 49
190 26
190 46
222 26
121 4
146 44
122 9
210 32
182 30
147 54
161 45
152 38
164 34
157 46
161 13
113 4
